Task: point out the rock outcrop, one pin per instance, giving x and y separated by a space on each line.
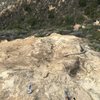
49 68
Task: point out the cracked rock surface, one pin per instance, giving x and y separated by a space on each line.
38 69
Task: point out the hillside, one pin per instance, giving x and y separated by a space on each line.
49 49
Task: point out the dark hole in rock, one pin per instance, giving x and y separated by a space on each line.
73 71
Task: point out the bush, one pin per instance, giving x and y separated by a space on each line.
82 3
98 1
69 20
51 14
80 19
91 9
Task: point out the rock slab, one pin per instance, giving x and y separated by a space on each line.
49 68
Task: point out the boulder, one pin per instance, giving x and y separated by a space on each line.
49 68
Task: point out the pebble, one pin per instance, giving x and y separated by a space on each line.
29 90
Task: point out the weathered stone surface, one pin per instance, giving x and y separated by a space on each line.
49 68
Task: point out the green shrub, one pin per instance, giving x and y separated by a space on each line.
98 1
90 10
80 19
69 20
82 3
32 21
28 8
51 14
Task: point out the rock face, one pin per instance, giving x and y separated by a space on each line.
50 68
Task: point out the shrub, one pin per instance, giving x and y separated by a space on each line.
51 14
80 19
82 3
69 20
98 1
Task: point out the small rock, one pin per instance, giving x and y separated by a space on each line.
83 27
96 23
29 90
76 27
45 74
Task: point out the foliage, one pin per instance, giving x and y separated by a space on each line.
51 14
98 1
79 19
93 36
69 20
91 8
32 21
82 3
